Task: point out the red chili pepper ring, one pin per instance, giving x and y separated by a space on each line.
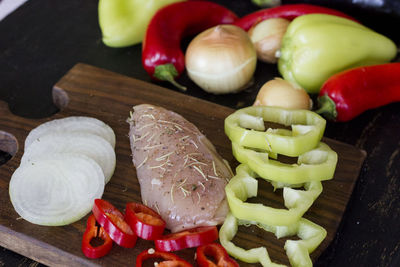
93 231
217 252
144 221
187 239
112 220
169 259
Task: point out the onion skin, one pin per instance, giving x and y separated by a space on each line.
221 60
267 38
281 93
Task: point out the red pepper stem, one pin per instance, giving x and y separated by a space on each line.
327 107
168 72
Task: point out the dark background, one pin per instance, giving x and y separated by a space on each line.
43 39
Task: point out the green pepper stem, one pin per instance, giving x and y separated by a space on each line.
168 72
327 107
177 85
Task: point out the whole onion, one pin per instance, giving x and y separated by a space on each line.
221 59
281 93
267 38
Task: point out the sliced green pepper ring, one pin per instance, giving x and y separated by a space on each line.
246 128
311 235
244 185
298 251
317 164
227 233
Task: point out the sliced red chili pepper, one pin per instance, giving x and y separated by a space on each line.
144 221
169 259
162 56
93 231
112 220
187 239
216 252
288 12
349 93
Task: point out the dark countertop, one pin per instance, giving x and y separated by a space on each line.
43 39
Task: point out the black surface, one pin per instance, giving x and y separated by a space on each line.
43 39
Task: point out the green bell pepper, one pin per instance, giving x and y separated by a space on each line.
244 185
316 46
124 22
246 128
315 165
298 251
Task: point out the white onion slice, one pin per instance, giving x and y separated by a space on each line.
93 146
72 124
56 190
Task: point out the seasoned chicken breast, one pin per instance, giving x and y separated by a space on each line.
181 175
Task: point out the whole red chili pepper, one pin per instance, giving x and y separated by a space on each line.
216 252
288 12
162 56
349 93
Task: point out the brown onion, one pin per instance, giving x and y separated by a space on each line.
267 38
281 93
221 59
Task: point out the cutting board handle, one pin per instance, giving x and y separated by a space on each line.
60 98
14 129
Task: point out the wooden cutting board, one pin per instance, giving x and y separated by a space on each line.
89 91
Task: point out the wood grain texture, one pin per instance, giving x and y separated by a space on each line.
90 91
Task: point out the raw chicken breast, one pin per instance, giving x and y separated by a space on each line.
180 173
